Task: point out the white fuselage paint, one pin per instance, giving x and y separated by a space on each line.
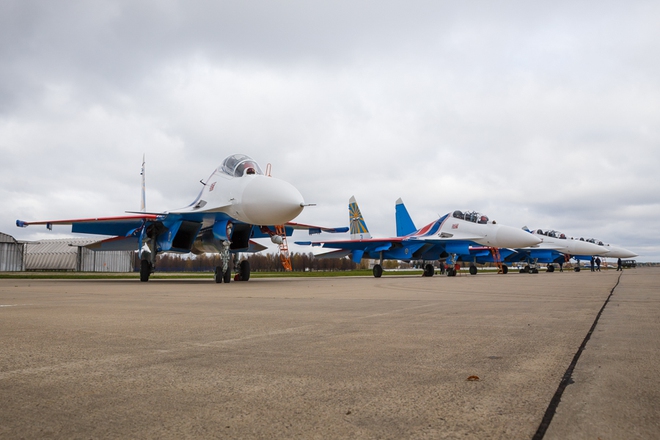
252 198
487 234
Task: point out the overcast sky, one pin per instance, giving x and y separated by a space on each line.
544 114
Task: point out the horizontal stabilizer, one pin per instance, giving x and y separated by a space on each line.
253 246
313 229
115 244
334 254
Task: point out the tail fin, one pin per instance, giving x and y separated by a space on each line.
358 226
143 201
404 224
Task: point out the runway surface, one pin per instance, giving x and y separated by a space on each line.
333 357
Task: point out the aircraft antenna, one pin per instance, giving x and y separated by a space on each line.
143 201
268 167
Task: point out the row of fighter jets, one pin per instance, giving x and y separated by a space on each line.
239 203
463 236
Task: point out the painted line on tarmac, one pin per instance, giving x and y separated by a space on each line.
554 402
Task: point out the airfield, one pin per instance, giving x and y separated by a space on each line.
351 357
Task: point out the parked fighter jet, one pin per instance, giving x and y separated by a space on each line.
608 251
237 203
555 248
612 251
451 234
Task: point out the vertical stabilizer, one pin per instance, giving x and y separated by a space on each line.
404 224
358 229
143 200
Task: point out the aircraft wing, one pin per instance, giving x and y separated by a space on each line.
313 229
452 236
118 226
367 248
334 254
372 244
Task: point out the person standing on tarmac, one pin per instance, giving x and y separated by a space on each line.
593 269
598 264
618 265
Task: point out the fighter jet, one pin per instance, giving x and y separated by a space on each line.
611 251
556 248
451 234
237 203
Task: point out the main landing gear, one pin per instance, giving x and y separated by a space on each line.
145 270
529 269
148 260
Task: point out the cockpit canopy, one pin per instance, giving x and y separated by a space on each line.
471 216
594 241
551 233
238 165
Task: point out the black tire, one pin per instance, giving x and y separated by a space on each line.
534 270
451 272
551 268
577 269
244 270
473 269
145 270
378 270
505 269
226 277
429 270
217 274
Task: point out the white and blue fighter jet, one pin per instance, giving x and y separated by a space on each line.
451 235
237 204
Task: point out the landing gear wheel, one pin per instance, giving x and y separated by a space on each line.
505 269
378 270
244 270
429 270
217 274
551 268
577 269
473 269
534 270
145 270
451 272
226 277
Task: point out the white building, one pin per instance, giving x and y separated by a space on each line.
12 254
70 254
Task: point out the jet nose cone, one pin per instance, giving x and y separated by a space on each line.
586 248
271 201
509 237
619 252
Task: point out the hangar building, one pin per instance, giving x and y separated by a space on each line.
70 254
12 254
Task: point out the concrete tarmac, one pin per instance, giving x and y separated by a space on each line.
396 357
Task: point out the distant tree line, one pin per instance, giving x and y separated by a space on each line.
269 262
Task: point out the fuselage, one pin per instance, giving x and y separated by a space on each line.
557 241
610 251
476 228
